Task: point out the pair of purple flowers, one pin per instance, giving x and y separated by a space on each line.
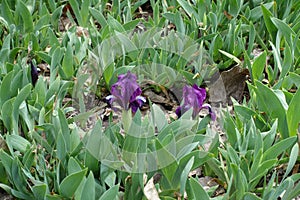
127 93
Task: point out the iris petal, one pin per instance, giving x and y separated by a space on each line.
110 99
211 112
126 92
34 73
193 97
178 111
137 103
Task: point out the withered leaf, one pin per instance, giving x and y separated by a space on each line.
230 83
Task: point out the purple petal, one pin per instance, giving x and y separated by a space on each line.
121 76
125 89
211 112
135 94
117 91
34 74
137 103
126 92
199 95
110 99
212 115
178 111
193 97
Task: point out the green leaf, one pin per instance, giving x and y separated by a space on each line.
64 128
54 87
41 141
178 21
108 73
6 114
184 175
111 193
269 136
287 62
251 196
293 192
73 166
70 184
200 158
252 33
199 192
7 162
166 161
268 22
61 146
131 24
184 150
6 12
293 159
21 97
125 42
18 178
99 17
268 188
26 16
295 78
21 195
53 197
17 142
279 148
258 66
234 7
261 170
75 7
5 52
230 127
55 62
56 14
114 24
159 117
67 63
39 191
278 61
88 191
5 92
100 147
42 23
285 29
29 158
215 165
84 12
178 127
189 9
292 115
240 181
268 102
44 56
6 188
231 56
232 154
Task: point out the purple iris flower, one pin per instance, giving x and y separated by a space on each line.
126 92
34 73
193 97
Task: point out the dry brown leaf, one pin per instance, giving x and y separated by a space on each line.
230 83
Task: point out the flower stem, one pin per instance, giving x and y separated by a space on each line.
126 119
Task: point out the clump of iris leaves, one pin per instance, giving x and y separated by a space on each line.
82 46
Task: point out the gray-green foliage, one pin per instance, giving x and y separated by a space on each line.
45 153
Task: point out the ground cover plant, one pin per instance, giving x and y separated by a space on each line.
149 99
